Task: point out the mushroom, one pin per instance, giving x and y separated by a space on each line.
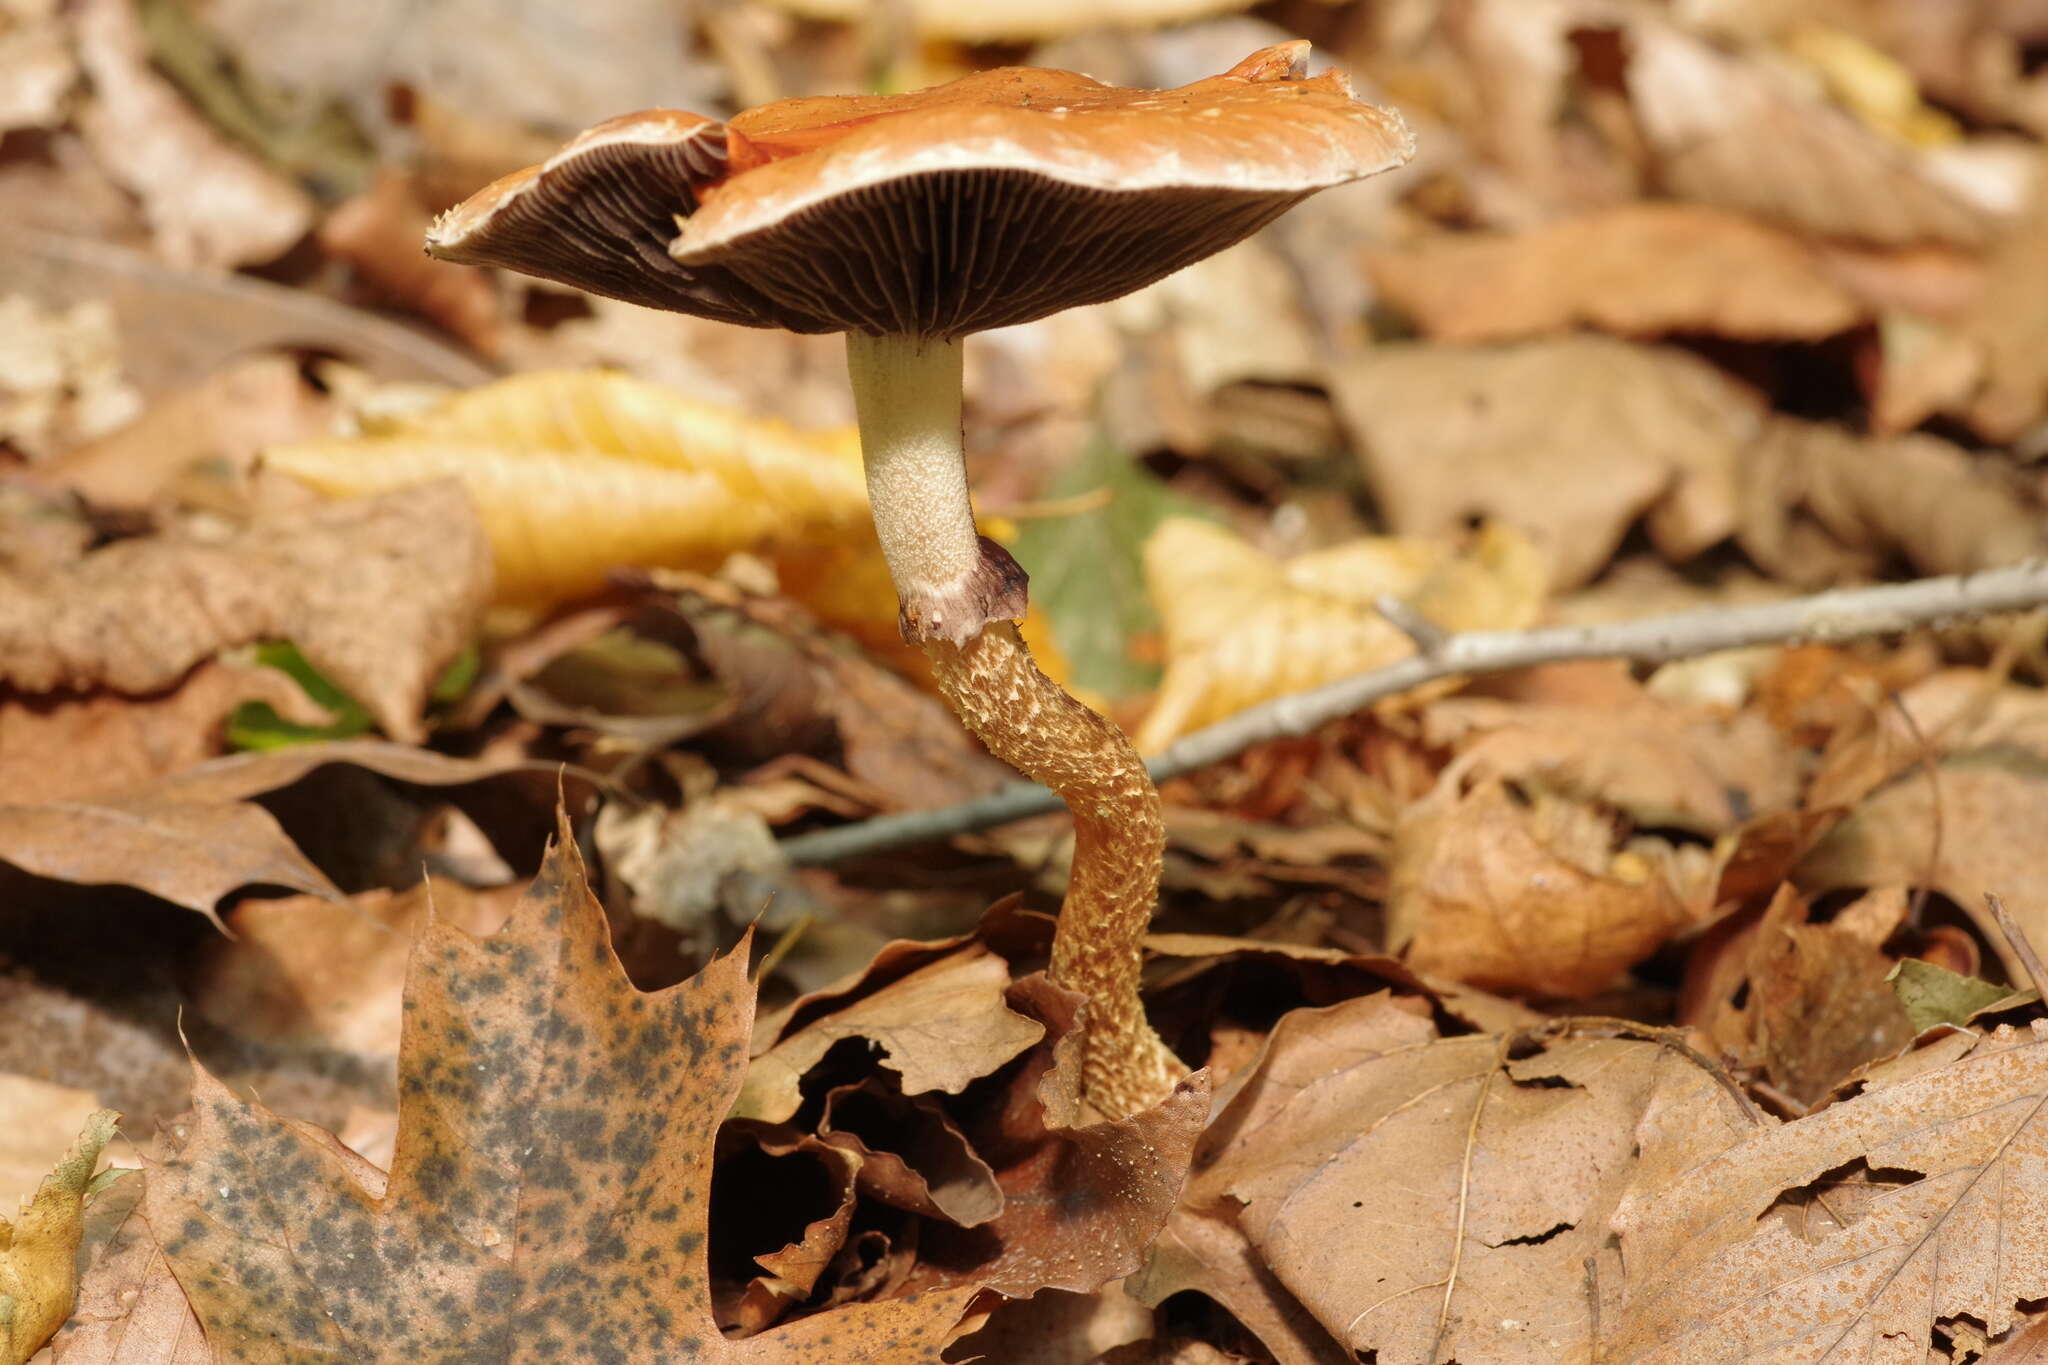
906 222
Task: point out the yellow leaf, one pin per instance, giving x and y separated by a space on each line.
576 473
38 1271
1242 627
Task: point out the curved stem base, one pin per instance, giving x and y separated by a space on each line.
1030 722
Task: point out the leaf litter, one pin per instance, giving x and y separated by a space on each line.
1586 1012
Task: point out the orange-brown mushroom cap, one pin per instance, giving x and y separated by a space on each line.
994 199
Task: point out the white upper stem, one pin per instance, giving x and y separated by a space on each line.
906 394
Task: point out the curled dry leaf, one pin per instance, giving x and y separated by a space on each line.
1242 627
1852 1235
575 473
158 147
1083 1197
1807 1003
1985 796
61 746
1509 1163
1636 269
378 234
1664 764
1750 132
190 853
940 1025
1568 439
379 594
551 1181
1990 367
1915 495
1528 896
38 1276
302 971
130 1310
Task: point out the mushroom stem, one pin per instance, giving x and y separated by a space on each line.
961 594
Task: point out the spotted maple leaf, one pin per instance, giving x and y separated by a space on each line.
547 1200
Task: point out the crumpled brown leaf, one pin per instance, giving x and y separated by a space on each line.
1242 627
1761 1241
1747 131
379 594
1568 439
551 1180
940 1026
1430 1199
159 148
63 745
1532 895
1866 500
1664 764
1988 367
1637 269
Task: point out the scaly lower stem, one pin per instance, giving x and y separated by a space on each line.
960 595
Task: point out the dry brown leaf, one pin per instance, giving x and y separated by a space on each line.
1987 799
1749 131
1242 627
191 853
551 1181
1507 1172
378 234
130 1309
1527 896
575 473
301 971
1915 495
159 148
218 423
38 1274
1806 1003
1636 269
1210 1255
1054 1327
1988 368
940 1026
379 594
911 1155
38 1121
61 746
1664 764
1569 439
1083 1197
1852 1235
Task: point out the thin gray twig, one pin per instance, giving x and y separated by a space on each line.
1841 614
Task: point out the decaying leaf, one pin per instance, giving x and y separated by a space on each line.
159 148
1638 270
1568 439
1852 1235
940 1025
1522 894
38 1279
191 853
1915 495
1747 132
575 473
550 1186
130 1310
59 746
379 594
1664 764
61 379
1242 627
1508 1167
